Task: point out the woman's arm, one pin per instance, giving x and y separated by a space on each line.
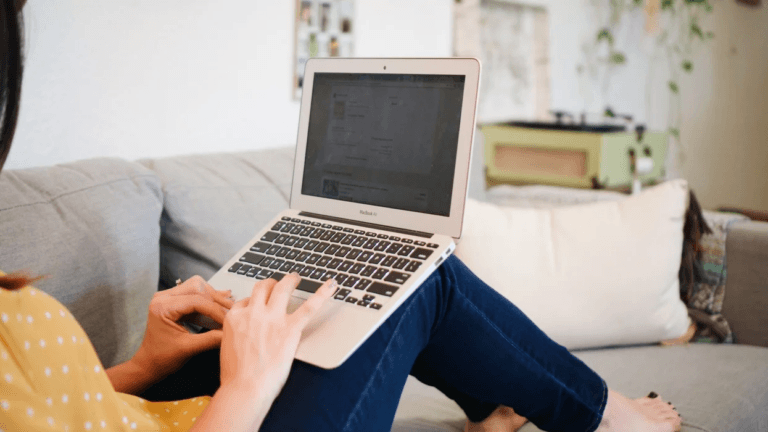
130 378
257 349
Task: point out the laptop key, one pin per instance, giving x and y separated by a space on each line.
433 245
400 264
421 253
327 226
370 244
368 271
264 274
394 238
354 253
301 243
359 232
287 227
327 236
345 266
317 234
306 232
388 261
313 259
317 274
252 272
407 241
296 220
297 268
394 247
397 277
382 289
359 241
337 228
338 237
305 222
266 262
276 264
297 230
251 258
363 284
303 256
306 271
273 250
280 239
343 251
340 278
332 249
327 275
316 224
376 258
413 266
309 286
382 236
375 306
234 267
322 262
351 300
342 294
287 266
365 256
382 246
243 269
334 263
348 230
363 303
356 268
260 247
349 239
351 281
380 273
419 243
283 252
371 234
292 254
369 298
291 241
311 245
270 236
321 247
405 250
285 218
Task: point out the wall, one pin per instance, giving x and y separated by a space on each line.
145 78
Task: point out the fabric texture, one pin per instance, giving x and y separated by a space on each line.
92 229
215 203
716 388
592 275
52 379
708 290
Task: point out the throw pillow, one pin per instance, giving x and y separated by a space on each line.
591 275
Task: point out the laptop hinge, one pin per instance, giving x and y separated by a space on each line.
367 225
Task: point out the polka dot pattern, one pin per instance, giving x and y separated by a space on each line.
61 385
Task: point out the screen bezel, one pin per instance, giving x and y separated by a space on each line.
448 225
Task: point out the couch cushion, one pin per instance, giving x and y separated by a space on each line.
92 227
716 388
590 275
214 204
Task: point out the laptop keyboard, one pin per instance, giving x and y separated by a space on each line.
369 267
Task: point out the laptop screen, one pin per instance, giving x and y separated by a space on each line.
388 140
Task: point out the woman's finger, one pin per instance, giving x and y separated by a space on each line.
179 306
310 307
260 292
206 341
281 293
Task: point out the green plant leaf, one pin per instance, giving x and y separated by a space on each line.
609 112
687 65
696 30
605 35
617 58
637 2
673 87
709 35
666 4
674 132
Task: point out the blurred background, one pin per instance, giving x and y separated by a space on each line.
140 78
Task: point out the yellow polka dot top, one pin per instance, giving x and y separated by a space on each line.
52 380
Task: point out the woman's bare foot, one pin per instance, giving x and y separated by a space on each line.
638 415
503 419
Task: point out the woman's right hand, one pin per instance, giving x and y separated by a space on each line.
260 338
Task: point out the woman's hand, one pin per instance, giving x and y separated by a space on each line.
260 338
167 345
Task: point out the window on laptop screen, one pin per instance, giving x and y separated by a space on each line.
387 140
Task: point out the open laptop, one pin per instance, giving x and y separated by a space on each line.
377 199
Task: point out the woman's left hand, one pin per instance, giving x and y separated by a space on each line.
167 345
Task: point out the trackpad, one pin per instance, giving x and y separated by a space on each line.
294 304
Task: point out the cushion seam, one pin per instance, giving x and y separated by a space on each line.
50 200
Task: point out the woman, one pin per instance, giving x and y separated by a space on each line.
432 336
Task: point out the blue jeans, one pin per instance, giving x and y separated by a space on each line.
457 334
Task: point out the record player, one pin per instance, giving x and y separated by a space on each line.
613 154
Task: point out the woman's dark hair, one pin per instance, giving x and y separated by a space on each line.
10 93
10 73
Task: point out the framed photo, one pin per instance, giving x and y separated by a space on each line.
324 28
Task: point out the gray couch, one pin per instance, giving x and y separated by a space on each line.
105 231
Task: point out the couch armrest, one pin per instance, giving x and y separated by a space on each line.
745 304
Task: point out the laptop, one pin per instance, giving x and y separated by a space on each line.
377 198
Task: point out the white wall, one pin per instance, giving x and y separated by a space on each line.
149 78
142 78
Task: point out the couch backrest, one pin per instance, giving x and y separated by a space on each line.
92 227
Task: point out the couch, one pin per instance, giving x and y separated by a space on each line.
108 233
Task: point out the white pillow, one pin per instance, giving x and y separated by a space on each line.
591 275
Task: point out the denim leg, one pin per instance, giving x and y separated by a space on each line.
464 338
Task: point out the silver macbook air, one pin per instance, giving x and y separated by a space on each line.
378 193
